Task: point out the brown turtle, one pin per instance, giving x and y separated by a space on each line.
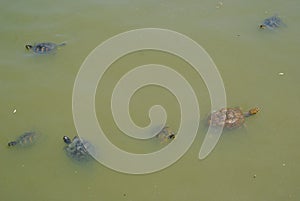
230 117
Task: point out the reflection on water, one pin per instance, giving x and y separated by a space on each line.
259 67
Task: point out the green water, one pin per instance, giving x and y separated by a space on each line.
258 162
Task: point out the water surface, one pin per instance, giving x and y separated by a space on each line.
258 162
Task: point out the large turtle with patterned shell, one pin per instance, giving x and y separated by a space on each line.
230 117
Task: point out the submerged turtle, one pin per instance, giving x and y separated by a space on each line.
44 48
271 23
77 148
25 139
166 134
230 117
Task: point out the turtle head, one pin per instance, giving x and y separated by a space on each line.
67 140
12 143
171 137
28 47
262 26
252 111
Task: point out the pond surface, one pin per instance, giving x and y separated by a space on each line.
260 161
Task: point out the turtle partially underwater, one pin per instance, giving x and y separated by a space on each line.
166 134
25 139
44 48
271 23
77 148
230 117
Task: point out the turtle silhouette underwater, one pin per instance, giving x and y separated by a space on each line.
77 148
44 48
166 134
26 139
271 23
230 117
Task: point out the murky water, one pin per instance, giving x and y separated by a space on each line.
258 162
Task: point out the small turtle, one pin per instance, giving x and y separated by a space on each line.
77 148
166 134
271 23
44 48
230 117
25 139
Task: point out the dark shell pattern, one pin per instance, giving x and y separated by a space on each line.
77 149
25 139
227 118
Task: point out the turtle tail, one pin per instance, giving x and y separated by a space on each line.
252 111
12 143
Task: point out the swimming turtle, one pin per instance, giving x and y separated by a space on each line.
77 148
44 48
230 117
25 139
271 22
166 134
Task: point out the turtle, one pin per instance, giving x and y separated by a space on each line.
25 139
271 22
44 48
166 134
77 148
230 117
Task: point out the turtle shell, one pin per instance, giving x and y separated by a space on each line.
25 139
44 48
77 149
271 22
166 134
227 117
